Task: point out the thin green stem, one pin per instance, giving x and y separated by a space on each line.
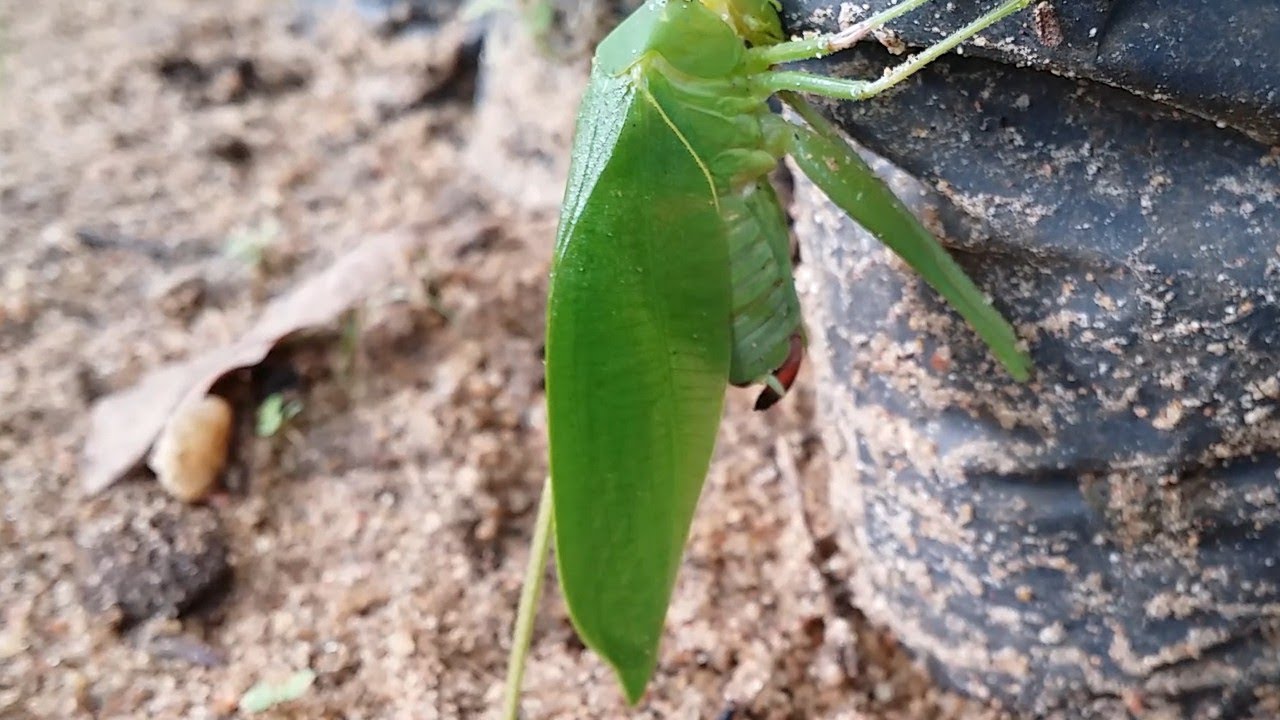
522 636
821 45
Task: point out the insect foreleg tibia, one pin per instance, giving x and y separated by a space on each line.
862 89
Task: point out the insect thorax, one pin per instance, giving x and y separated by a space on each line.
725 122
693 64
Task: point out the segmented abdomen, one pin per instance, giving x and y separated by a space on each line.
766 311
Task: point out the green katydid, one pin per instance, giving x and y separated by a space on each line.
672 278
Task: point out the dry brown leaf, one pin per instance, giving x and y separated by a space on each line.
125 424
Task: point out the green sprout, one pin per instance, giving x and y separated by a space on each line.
275 413
249 245
265 695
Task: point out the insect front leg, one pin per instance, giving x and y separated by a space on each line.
778 81
821 45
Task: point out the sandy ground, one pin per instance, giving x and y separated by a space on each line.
380 538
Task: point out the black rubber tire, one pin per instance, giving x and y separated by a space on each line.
1105 539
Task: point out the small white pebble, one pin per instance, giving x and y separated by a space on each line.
1052 634
1169 417
884 692
401 644
1257 415
192 448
